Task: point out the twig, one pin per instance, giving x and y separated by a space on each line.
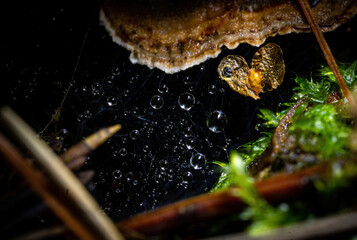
279 138
42 186
327 53
61 177
78 152
90 143
324 228
213 205
43 234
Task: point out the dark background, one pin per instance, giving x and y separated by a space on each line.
40 45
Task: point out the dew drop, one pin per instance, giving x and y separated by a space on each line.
163 88
95 88
126 92
112 101
117 174
187 177
190 144
156 102
212 89
186 101
146 148
187 132
187 80
134 135
129 176
216 121
198 161
123 152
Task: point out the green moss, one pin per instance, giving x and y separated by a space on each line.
348 71
264 217
319 130
317 127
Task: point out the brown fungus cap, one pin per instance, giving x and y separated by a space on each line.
175 35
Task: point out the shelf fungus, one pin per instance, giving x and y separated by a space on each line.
266 73
176 35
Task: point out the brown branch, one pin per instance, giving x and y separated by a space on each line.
62 180
89 144
279 138
213 205
327 53
42 186
331 227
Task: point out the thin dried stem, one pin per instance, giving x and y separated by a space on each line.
42 186
43 234
331 227
327 53
90 143
61 178
213 205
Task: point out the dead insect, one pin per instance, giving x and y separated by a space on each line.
266 72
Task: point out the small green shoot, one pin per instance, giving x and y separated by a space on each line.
265 217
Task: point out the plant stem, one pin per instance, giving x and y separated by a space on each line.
327 53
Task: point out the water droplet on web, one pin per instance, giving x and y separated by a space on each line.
124 140
112 101
190 144
187 131
156 102
198 161
129 176
158 178
216 121
123 152
95 88
117 174
116 71
187 80
187 177
163 89
146 148
134 135
126 93
212 89
186 101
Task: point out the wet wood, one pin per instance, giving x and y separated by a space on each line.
337 226
278 140
213 205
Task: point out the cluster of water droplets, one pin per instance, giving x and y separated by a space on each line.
167 143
